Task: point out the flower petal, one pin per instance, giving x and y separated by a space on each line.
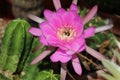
49 34
53 18
41 56
57 4
78 24
63 71
48 14
76 45
76 65
94 53
103 28
68 17
46 29
61 11
35 18
43 40
61 56
35 31
90 14
82 48
75 2
89 32
74 7
55 21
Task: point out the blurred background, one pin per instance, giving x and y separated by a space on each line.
10 9
18 8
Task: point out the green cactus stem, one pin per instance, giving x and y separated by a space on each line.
30 70
16 46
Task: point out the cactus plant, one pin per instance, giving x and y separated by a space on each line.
16 45
3 25
29 70
15 55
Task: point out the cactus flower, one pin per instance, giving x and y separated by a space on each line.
65 30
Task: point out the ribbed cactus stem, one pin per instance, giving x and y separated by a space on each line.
6 43
16 46
30 70
3 25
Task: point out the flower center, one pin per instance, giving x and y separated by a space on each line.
66 33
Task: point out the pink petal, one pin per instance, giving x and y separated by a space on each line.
48 14
35 18
63 71
89 32
70 52
61 56
57 4
55 21
61 11
41 56
75 2
90 14
47 30
53 41
74 7
35 31
43 40
68 17
53 18
94 53
76 65
77 45
49 34
82 48
77 23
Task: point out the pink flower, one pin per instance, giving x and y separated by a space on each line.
65 30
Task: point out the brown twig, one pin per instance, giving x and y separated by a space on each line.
70 75
89 60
